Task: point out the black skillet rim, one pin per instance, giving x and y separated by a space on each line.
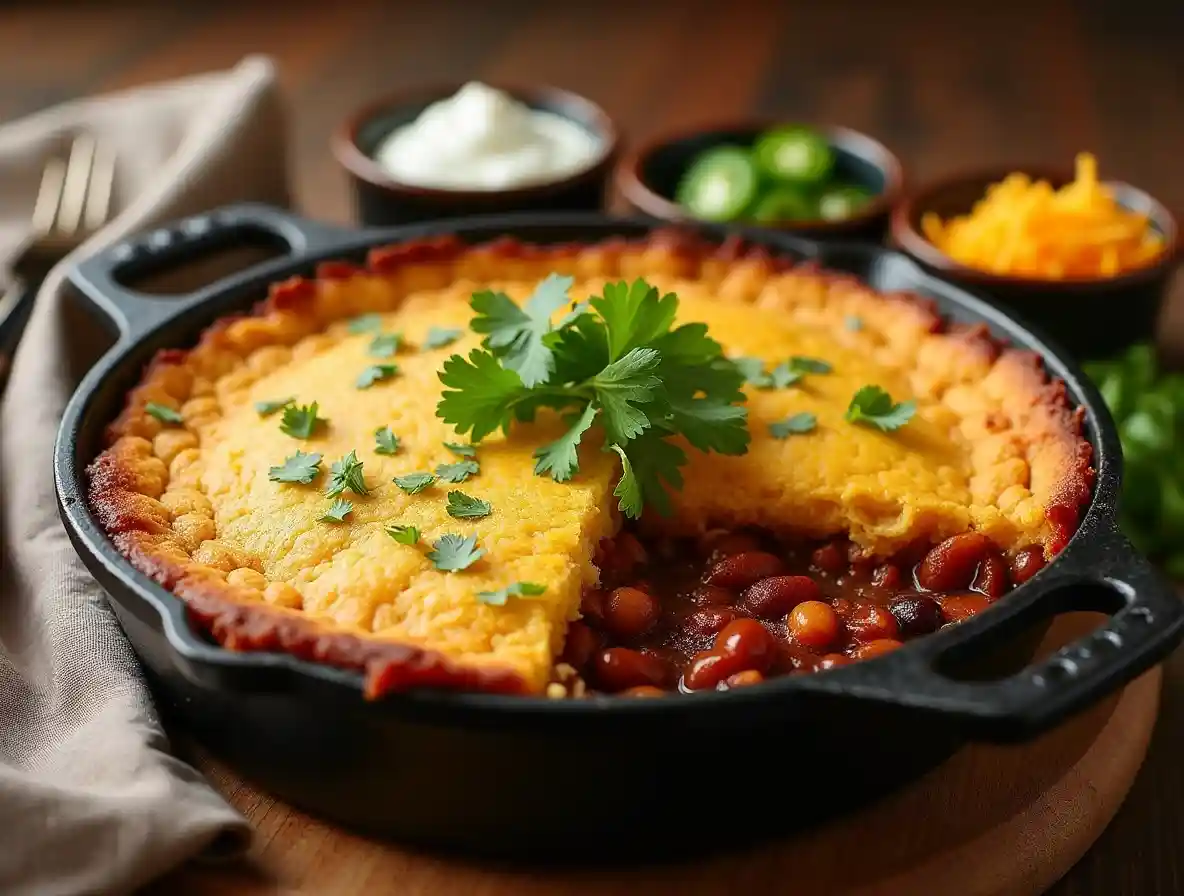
1097 523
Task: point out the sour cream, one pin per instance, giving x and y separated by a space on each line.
484 139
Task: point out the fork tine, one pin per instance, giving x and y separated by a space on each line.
98 197
78 172
49 195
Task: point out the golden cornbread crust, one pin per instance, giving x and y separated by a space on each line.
173 540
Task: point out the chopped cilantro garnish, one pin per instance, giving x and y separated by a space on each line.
365 323
853 323
452 553
795 424
403 534
384 345
872 406
300 422
385 441
300 467
781 376
376 373
465 507
346 474
163 413
438 337
517 589
461 450
414 483
267 408
809 365
459 471
338 511
618 362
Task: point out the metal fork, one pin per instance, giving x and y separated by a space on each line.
73 201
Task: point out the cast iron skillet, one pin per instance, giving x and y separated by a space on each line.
601 778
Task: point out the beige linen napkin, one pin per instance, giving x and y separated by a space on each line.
90 799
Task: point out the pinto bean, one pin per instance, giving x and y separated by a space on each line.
709 620
991 578
950 566
869 622
775 596
619 668
630 612
916 615
748 643
741 570
1026 563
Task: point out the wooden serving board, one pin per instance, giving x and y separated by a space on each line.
992 821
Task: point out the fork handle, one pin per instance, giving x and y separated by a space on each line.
15 306
102 277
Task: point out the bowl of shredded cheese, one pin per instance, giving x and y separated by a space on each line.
1088 261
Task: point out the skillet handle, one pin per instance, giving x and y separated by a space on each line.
1147 622
100 277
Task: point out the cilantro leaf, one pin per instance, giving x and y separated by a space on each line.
376 373
872 406
515 335
267 408
633 315
457 472
365 323
560 458
163 413
438 337
781 376
621 386
464 507
853 323
710 424
385 441
300 467
414 483
753 370
346 474
793 425
648 464
338 511
402 534
517 589
300 422
461 450
809 365
385 345
452 553
481 394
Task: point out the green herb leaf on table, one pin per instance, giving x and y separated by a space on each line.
616 363
454 553
438 337
516 335
163 413
872 406
376 373
458 472
365 323
300 467
465 507
385 441
414 483
385 345
517 589
408 535
338 511
560 458
300 422
346 474
461 450
267 408
795 424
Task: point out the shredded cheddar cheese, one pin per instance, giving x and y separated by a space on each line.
1026 228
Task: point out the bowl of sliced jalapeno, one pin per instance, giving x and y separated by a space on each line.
816 181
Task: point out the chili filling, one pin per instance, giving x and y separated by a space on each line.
735 608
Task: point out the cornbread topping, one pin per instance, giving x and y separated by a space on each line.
484 139
299 499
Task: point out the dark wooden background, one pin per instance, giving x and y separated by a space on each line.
945 84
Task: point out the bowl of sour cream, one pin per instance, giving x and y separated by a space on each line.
477 149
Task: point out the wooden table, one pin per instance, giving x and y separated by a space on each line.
946 85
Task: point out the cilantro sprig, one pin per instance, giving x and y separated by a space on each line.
465 507
453 553
616 362
499 597
300 467
300 422
872 406
163 413
783 375
385 441
338 511
346 474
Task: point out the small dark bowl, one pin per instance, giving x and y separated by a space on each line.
649 176
1092 317
381 200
